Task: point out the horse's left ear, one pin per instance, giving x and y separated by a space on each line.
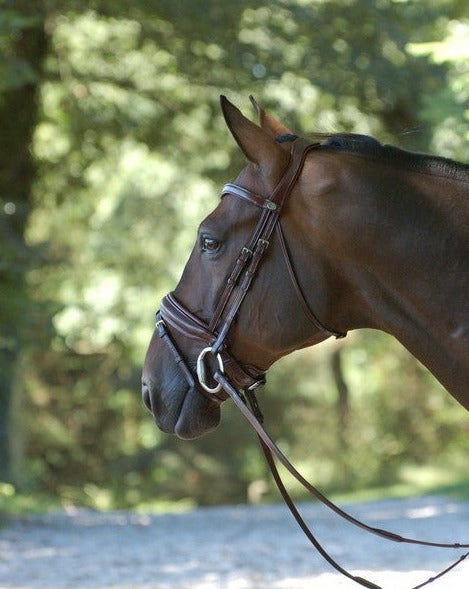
258 145
268 123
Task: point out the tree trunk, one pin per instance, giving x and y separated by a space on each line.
18 114
343 405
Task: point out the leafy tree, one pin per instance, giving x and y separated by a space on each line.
448 111
129 150
23 46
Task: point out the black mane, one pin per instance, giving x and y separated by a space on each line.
368 146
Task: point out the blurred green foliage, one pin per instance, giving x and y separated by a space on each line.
127 150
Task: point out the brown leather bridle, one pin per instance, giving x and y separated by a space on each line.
213 336
229 377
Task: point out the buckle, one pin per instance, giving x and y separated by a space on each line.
160 324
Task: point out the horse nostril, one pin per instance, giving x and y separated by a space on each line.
146 396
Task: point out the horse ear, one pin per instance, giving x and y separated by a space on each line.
268 123
257 145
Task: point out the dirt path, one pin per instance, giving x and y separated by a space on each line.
230 548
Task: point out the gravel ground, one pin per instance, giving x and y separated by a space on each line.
231 548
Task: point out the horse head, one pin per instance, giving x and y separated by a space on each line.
269 323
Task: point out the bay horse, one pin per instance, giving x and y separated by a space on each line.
313 239
359 235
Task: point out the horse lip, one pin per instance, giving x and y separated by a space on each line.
146 397
147 401
174 423
165 424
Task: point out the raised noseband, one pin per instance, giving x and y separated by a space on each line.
174 319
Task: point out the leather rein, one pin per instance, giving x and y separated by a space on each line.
219 376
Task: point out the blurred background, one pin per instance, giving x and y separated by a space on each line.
112 149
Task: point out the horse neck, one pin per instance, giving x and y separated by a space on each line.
400 245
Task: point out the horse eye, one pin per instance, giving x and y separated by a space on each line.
209 244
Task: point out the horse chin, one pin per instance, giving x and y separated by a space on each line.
198 415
